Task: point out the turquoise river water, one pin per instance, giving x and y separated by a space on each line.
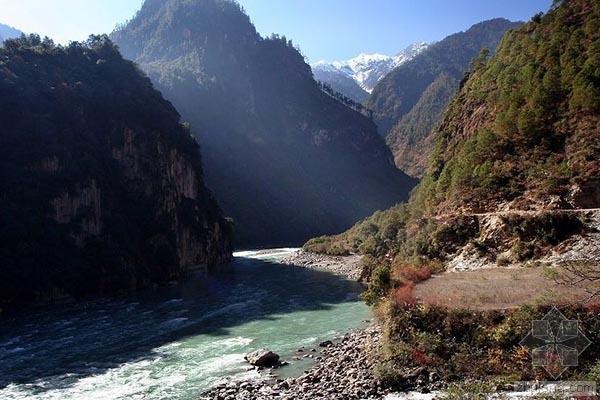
175 342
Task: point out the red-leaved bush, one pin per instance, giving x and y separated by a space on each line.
413 274
420 358
403 296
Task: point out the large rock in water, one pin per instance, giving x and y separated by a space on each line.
262 358
101 185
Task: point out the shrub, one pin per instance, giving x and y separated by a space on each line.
523 251
379 285
409 273
463 344
403 296
469 391
502 260
387 374
548 228
594 373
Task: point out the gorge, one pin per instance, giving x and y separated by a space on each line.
446 200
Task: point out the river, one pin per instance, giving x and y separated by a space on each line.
177 341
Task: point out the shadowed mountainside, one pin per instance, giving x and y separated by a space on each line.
285 160
102 187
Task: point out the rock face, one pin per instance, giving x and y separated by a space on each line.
262 358
102 187
285 160
409 101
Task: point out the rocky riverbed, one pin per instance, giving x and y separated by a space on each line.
348 266
343 370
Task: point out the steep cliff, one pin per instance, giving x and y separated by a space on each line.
102 187
286 160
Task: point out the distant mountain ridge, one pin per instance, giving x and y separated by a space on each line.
285 159
364 70
409 101
8 32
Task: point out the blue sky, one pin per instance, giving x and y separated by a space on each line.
324 29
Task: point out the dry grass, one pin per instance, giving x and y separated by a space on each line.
496 288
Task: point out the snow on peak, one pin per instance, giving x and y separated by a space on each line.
368 68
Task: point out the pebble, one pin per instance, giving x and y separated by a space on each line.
343 371
347 266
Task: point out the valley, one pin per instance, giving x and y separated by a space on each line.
191 207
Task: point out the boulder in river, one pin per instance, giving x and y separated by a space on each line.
262 358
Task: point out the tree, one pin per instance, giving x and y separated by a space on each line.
583 274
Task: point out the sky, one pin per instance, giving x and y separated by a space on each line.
323 29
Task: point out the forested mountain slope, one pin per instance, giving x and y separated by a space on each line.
513 181
519 140
524 129
286 160
102 187
410 100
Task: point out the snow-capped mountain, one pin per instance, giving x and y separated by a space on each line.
365 69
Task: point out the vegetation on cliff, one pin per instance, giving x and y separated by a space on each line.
101 184
285 159
525 126
547 158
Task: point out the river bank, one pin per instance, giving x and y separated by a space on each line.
347 266
343 370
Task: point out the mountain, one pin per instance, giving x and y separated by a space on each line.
518 143
340 82
285 159
409 101
102 187
357 77
8 32
411 139
514 180
523 131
